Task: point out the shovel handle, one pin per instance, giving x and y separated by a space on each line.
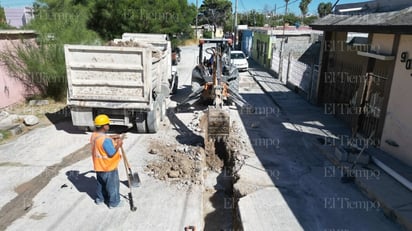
125 158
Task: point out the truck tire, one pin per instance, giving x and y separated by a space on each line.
141 124
153 119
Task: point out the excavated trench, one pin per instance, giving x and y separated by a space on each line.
220 203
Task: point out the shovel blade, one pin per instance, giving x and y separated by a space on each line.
134 180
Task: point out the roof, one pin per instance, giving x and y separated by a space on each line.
372 6
384 22
17 34
289 31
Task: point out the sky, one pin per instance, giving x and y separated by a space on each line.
243 5
293 6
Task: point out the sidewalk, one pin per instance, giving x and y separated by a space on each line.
394 199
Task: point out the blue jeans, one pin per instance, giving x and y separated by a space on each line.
108 188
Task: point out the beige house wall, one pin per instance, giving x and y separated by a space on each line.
398 122
382 43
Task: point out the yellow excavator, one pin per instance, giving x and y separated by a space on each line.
215 81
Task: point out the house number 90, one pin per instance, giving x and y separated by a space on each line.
404 59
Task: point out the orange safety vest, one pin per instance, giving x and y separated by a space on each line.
101 161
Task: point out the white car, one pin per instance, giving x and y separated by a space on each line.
239 59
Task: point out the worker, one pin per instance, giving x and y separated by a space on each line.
106 157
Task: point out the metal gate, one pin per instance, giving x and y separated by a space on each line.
355 97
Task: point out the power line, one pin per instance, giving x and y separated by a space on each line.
288 4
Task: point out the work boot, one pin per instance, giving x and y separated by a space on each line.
98 201
121 204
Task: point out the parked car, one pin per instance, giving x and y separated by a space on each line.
239 59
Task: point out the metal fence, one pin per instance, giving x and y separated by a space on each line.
296 74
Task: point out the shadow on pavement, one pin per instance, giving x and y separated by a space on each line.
289 143
186 136
82 182
62 121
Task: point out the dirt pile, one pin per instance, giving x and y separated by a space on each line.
181 164
156 53
185 164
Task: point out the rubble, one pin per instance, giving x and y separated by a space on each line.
185 165
3 115
156 53
16 130
153 151
179 164
38 102
195 124
31 120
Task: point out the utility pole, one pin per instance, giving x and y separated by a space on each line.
282 42
197 13
235 27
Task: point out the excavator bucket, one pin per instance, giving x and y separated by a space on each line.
218 122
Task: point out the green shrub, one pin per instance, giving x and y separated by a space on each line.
207 34
41 65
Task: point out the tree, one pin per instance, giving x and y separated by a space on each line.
113 18
324 9
41 65
252 18
310 19
3 22
303 6
291 19
215 12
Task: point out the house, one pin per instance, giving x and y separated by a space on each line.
12 90
365 76
216 32
245 40
18 17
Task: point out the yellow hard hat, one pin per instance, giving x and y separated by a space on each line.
101 120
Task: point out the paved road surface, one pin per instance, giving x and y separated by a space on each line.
284 145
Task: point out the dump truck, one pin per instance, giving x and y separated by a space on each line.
129 80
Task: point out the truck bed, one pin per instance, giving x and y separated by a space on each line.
108 76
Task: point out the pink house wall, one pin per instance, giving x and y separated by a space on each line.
11 90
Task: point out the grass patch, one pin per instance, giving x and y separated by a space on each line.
5 134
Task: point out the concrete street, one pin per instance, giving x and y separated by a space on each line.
283 182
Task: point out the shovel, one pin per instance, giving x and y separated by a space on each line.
134 179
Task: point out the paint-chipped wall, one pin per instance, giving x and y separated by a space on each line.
11 90
397 130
